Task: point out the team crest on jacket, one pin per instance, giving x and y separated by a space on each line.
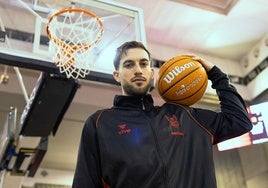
123 129
174 124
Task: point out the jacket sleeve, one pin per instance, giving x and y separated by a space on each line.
88 171
233 119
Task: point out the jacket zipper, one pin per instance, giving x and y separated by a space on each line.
160 156
157 149
142 104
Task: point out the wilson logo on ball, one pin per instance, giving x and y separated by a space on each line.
176 71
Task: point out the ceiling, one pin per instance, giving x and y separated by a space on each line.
172 24
184 27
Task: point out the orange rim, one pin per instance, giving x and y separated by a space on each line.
60 42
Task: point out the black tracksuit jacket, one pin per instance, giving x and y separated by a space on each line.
137 145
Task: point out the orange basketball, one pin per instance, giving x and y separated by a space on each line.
182 80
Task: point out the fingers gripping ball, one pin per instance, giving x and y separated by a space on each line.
182 80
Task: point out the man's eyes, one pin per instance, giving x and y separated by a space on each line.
130 64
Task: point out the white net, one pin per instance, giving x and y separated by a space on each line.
72 34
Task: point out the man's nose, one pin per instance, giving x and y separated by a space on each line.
138 69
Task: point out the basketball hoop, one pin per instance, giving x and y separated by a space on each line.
72 33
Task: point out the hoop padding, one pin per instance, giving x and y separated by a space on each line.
72 33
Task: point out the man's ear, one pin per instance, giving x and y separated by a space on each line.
152 69
116 76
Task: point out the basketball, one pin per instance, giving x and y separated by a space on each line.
182 80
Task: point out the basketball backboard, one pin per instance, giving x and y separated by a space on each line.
27 38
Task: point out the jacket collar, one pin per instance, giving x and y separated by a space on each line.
145 102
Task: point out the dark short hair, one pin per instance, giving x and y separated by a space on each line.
123 50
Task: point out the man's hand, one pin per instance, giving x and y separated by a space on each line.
206 64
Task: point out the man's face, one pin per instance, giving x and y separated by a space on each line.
134 72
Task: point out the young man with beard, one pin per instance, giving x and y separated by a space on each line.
131 144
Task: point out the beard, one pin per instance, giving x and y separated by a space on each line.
131 90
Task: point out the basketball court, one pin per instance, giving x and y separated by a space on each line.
27 52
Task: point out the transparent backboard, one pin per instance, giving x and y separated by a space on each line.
24 22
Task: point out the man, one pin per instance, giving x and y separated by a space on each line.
131 145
